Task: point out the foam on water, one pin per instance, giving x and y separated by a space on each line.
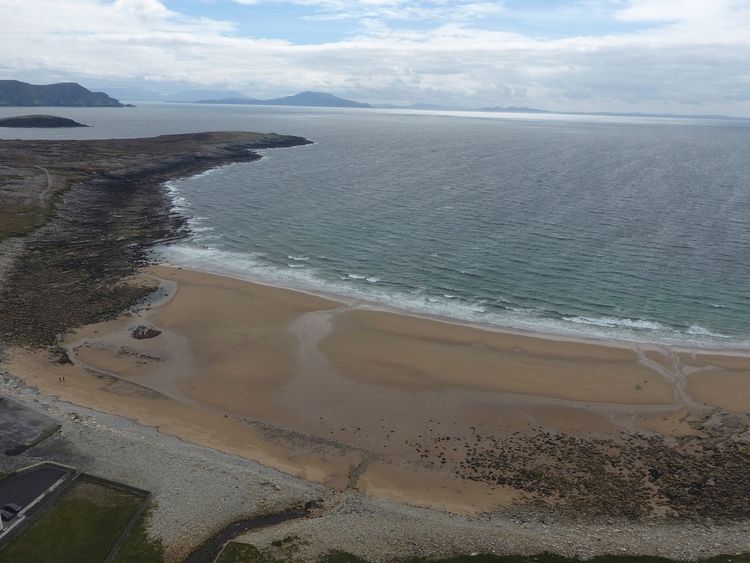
256 268
697 330
613 322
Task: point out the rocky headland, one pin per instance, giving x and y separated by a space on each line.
63 94
96 208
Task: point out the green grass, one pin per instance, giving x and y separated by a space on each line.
139 547
83 525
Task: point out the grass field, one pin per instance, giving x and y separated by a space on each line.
82 526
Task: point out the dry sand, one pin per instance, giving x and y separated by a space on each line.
354 397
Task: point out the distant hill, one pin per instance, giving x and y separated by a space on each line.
39 121
307 99
319 99
64 94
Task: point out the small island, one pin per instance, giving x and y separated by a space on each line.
39 121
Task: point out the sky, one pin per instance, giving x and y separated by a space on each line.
678 56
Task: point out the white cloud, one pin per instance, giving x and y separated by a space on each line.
676 10
145 10
393 9
697 61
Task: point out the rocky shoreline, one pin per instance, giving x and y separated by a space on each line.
635 476
111 208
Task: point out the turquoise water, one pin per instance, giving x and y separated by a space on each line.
613 227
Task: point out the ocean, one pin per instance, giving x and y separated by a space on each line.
629 228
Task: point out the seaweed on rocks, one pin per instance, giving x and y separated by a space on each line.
692 477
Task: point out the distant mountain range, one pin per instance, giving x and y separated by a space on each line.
307 99
311 99
70 94
64 94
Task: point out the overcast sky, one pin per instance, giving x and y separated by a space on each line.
608 55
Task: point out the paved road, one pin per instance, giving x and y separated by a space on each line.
20 426
24 488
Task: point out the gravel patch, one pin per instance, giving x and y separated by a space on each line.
380 531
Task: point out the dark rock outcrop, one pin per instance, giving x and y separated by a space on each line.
142 332
111 211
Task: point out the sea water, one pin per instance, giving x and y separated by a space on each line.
630 228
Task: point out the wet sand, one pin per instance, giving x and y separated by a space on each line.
397 406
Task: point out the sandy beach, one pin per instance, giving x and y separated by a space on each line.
411 409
